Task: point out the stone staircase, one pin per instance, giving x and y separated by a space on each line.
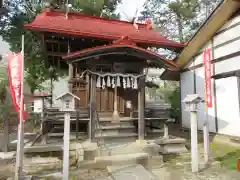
108 131
121 131
156 114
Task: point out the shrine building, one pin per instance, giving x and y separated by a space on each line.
106 62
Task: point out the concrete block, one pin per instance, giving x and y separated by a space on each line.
173 149
163 141
90 151
137 158
7 155
89 154
39 164
87 164
151 148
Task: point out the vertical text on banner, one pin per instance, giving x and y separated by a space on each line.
208 74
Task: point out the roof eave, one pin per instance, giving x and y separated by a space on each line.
117 48
215 21
160 44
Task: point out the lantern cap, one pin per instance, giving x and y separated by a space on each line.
193 98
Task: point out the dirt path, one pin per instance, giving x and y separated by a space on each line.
6 168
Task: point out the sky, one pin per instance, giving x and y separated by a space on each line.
129 7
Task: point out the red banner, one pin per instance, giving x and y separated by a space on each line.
208 74
15 66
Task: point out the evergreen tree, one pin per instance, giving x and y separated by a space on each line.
173 18
20 12
208 6
178 19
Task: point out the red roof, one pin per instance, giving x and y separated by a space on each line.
89 26
122 48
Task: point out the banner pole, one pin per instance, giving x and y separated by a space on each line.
20 142
206 139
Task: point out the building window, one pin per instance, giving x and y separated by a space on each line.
67 104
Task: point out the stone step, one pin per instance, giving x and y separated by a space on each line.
131 172
120 138
56 135
136 158
43 148
163 141
115 124
173 149
122 135
115 132
109 127
155 130
115 160
108 130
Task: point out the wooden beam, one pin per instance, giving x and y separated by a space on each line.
50 53
64 41
141 104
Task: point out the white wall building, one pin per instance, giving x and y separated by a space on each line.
220 33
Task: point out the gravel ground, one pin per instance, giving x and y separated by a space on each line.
6 168
181 171
175 168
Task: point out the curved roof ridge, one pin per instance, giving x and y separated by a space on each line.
101 28
82 15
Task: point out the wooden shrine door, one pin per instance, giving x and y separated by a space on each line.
105 100
80 89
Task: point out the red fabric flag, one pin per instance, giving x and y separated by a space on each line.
15 72
208 74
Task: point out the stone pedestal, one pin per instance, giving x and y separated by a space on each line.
171 146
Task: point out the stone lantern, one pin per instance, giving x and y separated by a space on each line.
191 102
67 106
68 101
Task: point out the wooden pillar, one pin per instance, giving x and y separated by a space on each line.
115 110
141 106
70 74
93 107
77 123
